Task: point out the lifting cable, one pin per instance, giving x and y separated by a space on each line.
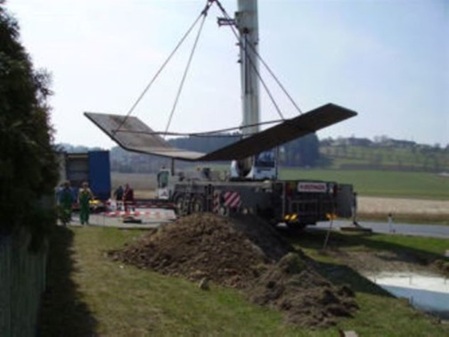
214 133
252 64
181 85
253 49
210 133
278 81
203 13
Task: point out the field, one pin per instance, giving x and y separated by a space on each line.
421 158
418 185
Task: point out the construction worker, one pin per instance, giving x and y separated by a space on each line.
118 194
128 198
84 196
65 201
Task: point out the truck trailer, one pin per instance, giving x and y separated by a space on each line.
297 203
92 167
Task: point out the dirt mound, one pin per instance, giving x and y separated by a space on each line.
307 298
264 235
199 246
244 253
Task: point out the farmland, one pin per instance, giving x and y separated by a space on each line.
386 155
419 185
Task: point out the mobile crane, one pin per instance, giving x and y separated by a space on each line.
253 186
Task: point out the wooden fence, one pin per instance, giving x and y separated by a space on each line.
22 282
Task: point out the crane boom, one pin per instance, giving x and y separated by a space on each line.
247 24
259 166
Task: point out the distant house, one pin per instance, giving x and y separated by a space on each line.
359 142
400 143
352 141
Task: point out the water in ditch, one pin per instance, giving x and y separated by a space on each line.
428 293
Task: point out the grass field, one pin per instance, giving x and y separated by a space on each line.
381 183
90 295
399 157
420 185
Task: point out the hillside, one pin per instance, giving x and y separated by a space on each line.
383 154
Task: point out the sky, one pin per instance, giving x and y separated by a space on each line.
388 60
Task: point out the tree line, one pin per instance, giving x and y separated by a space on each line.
301 152
309 151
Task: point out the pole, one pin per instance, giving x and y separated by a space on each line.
331 221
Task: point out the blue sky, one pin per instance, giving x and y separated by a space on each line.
387 60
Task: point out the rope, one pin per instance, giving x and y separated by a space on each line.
203 12
215 133
278 82
181 85
253 65
251 62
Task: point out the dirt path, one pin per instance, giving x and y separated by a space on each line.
402 206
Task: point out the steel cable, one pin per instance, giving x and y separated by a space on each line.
203 13
189 62
278 82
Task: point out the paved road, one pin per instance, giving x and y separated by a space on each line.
149 217
152 218
438 231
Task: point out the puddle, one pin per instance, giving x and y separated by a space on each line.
424 292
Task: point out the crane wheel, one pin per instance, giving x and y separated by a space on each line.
197 205
223 210
179 201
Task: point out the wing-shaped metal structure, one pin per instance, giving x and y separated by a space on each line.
134 135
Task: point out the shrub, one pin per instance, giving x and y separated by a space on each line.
28 165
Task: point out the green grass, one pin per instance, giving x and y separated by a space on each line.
397 157
91 295
434 248
380 183
379 314
120 300
408 218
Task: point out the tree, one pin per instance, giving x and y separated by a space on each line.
28 164
303 151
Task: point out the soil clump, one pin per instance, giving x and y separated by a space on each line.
248 254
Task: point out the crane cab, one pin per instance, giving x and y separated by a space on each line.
260 167
163 186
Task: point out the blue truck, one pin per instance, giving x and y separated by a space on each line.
91 166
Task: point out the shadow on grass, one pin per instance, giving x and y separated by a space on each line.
63 313
340 274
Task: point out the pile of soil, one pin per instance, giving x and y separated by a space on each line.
305 297
202 246
245 253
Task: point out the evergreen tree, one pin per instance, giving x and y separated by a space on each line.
27 163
